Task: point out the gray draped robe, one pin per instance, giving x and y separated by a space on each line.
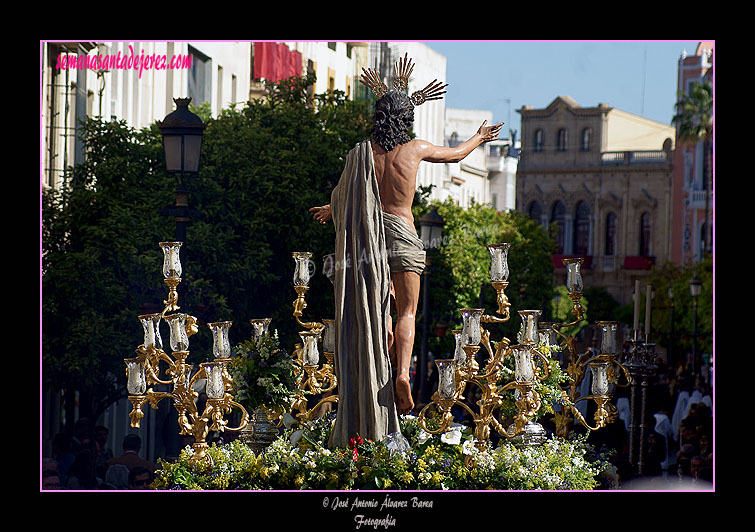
366 405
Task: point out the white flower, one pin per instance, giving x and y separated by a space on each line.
452 435
423 436
468 447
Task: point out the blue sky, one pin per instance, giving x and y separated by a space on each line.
635 76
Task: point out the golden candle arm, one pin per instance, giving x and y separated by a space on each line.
605 413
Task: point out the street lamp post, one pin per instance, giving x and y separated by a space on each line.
182 133
431 231
695 287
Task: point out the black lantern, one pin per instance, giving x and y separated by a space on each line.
182 133
432 228
431 232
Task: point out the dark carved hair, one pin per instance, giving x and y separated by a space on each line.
394 116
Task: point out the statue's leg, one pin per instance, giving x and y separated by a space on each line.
391 343
406 286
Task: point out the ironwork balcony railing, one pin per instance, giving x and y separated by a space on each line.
634 157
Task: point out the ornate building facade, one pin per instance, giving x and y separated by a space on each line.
693 191
600 179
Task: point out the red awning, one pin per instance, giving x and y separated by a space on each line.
274 61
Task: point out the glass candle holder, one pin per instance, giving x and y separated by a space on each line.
329 266
460 356
524 368
599 378
608 344
446 378
471 334
260 326
499 266
302 273
179 339
546 334
329 336
221 345
136 380
171 259
151 325
573 275
530 331
311 355
215 387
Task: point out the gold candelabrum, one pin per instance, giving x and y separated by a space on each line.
603 365
530 366
463 371
314 379
143 370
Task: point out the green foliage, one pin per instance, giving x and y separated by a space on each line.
460 275
561 309
694 113
263 165
432 463
677 278
100 260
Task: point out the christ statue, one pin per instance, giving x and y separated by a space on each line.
379 259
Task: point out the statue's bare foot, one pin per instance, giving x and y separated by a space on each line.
404 401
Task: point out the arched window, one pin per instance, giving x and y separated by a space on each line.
561 140
586 139
558 214
610 234
539 140
582 229
645 235
535 212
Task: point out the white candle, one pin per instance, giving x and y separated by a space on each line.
636 326
648 297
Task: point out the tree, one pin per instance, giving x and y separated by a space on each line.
680 332
262 167
461 267
694 120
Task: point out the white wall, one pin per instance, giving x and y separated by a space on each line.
429 118
464 123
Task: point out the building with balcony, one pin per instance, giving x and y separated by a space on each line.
692 192
600 178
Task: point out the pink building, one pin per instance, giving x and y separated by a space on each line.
690 187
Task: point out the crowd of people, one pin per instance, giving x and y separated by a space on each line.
84 462
678 427
678 451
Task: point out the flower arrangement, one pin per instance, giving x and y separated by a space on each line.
263 374
299 459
